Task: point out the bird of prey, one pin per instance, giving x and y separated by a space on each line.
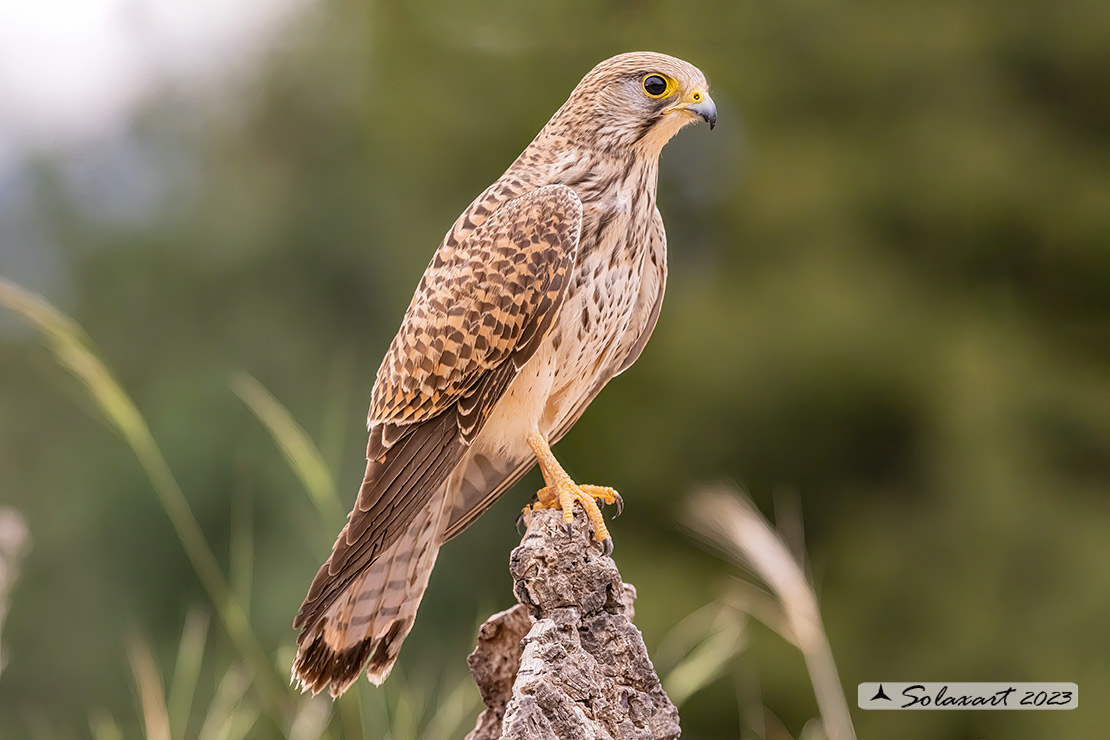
545 288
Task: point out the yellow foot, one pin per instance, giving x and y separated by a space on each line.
548 498
562 496
561 492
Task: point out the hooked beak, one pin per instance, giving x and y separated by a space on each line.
705 108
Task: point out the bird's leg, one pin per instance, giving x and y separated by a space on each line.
561 492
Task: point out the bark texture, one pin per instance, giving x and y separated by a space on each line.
567 662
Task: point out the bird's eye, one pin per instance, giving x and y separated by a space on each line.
656 86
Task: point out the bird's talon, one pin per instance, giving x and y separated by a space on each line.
607 546
561 492
520 520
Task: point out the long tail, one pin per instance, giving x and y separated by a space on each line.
371 618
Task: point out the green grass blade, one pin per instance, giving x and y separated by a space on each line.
298 448
455 709
241 545
186 671
72 348
219 720
705 662
312 720
102 726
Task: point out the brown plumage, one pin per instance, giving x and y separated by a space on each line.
545 288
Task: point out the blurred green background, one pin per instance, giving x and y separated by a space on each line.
889 306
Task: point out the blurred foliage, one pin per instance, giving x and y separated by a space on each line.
889 300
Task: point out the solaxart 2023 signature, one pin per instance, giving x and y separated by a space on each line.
1006 698
966 695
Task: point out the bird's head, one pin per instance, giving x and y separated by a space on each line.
638 100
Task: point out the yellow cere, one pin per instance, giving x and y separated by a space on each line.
672 85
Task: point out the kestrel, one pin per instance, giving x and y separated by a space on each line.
545 288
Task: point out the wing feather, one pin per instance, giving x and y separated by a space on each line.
481 310
490 297
490 479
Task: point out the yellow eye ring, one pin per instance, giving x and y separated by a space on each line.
658 86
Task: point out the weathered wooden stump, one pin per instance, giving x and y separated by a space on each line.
566 662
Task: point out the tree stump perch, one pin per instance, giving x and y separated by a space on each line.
566 662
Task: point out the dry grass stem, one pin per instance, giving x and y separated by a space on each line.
734 524
152 697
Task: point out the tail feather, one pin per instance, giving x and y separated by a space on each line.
366 624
